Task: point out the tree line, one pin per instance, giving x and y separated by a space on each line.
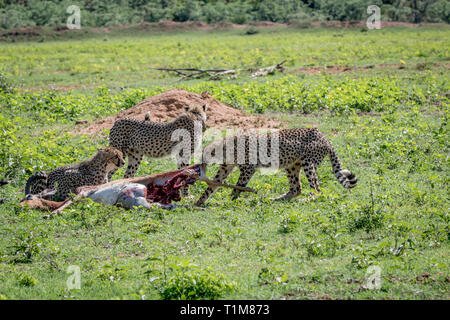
101 13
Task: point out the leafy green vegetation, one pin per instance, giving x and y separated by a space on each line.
389 125
123 61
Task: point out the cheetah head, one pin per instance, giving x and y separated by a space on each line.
198 113
112 156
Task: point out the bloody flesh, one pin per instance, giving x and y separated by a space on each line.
170 190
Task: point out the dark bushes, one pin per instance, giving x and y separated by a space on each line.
15 13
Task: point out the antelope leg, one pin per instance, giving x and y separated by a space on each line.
218 184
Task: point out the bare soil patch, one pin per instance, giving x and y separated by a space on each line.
359 24
341 69
170 104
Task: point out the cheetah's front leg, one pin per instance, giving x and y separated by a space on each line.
184 190
109 175
134 160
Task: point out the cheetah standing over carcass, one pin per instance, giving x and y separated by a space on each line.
137 138
298 148
68 178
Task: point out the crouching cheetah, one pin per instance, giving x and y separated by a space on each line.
137 138
67 178
298 148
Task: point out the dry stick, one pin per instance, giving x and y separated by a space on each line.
189 69
218 72
192 75
194 71
216 76
268 70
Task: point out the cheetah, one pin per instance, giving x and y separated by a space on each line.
137 138
298 148
67 178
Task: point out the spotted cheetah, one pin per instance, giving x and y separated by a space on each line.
298 148
67 178
137 138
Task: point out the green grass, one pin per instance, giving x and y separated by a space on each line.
389 126
119 61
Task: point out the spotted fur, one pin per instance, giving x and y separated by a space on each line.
298 148
67 178
137 138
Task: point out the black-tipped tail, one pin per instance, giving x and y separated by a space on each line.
347 179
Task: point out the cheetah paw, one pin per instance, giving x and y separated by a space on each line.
312 196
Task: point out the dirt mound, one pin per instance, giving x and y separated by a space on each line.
170 104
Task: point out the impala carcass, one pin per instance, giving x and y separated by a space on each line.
148 191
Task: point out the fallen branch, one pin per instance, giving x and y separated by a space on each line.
192 72
269 70
217 74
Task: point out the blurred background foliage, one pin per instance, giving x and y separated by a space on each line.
101 13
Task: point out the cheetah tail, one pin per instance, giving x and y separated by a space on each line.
36 183
345 177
